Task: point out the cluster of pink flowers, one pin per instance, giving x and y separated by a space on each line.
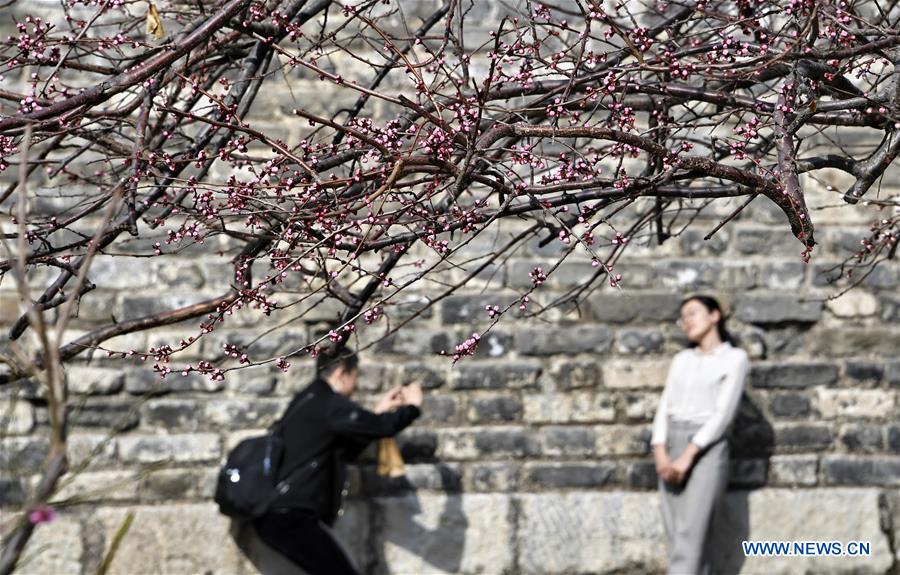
7 149
235 352
32 43
537 276
372 315
642 40
282 364
467 347
335 336
748 132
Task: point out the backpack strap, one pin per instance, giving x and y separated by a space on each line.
294 471
278 426
301 398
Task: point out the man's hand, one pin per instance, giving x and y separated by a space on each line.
412 394
390 400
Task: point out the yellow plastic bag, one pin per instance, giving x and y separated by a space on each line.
390 462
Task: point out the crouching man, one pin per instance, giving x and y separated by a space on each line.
324 430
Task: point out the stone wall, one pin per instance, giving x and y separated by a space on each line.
533 456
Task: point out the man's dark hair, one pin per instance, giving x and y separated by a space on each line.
328 362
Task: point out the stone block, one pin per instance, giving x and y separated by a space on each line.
635 373
642 475
789 404
55 547
850 341
571 407
176 537
792 375
803 437
890 307
595 339
493 408
639 341
862 470
704 274
492 476
136 306
173 414
573 533
864 370
567 441
424 533
622 440
505 442
764 241
100 487
94 380
144 381
577 374
470 309
178 484
120 273
847 514
641 406
643 306
493 375
198 447
549 476
793 470
16 416
774 309
893 438
439 409
429 377
13 492
856 403
861 438
417 342
854 303
692 243
235 413
256 381
108 414
830 274
777 275
97 448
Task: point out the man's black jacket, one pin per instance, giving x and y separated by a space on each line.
323 430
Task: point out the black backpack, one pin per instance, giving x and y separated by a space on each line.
246 486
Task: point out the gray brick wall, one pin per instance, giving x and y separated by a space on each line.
533 456
540 444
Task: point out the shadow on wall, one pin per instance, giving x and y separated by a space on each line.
398 534
752 442
394 529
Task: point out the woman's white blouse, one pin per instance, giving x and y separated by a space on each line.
702 388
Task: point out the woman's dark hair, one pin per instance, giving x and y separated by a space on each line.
711 304
328 362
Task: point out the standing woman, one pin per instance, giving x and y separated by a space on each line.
690 447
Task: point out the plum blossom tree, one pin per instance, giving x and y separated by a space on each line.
598 125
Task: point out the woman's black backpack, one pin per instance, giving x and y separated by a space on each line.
247 483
